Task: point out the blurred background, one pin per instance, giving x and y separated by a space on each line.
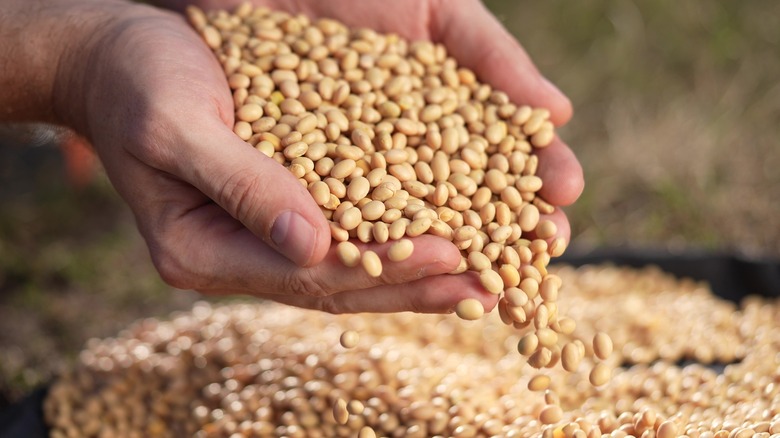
677 118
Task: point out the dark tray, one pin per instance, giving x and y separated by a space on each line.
730 276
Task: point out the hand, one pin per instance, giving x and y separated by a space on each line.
215 213
477 40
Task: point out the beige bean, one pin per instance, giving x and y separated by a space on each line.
366 432
250 112
570 357
243 130
380 232
542 138
548 289
343 169
398 228
599 374
478 261
518 314
358 189
495 180
400 250
355 407
351 218
320 192
440 167
349 339
501 234
373 210
602 345
469 309
515 296
364 232
371 263
547 337
441 229
509 275
551 414
491 281
340 412
528 344
528 183
540 358
348 254
539 382
546 229
492 251
418 226
295 150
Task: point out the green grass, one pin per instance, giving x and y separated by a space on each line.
72 266
677 108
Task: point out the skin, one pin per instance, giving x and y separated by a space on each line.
218 217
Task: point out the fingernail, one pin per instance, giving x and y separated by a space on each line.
294 237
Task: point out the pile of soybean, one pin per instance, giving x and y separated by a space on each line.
393 140
262 370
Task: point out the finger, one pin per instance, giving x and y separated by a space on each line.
561 222
224 256
195 244
436 294
257 191
431 256
478 41
561 172
187 132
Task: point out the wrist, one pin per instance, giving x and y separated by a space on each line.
97 25
38 35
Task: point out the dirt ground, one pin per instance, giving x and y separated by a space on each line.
677 109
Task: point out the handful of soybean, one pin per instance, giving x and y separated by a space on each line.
394 140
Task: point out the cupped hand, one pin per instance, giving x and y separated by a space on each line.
219 216
474 37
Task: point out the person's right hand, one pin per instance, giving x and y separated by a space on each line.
217 214
477 40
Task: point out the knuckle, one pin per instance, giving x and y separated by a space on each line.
151 137
301 282
238 193
330 304
175 262
417 306
172 269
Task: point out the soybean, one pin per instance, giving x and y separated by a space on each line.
348 254
371 262
599 374
602 345
349 339
400 250
469 309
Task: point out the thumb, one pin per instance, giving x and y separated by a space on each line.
260 193
478 41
